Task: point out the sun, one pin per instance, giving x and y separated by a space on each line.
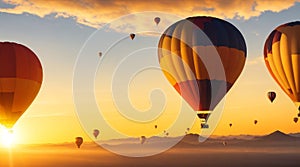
6 137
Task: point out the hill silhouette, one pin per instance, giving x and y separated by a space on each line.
278 136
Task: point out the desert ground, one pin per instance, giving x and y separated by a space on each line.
276 149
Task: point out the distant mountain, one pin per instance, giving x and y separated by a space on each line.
278 136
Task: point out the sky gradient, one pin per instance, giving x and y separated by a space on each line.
61 32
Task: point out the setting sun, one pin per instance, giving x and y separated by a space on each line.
6 137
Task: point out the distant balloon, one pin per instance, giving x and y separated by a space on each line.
155 126
78 141
295 119
21 76
187 129
255 122
100 54
142 139
186 69
157 20
132 36
271 96
96 133
167 134
230 124
282 58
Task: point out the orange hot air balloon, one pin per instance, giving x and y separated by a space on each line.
78 141
187 60
282 58
132 36
21 77
271 96
157 20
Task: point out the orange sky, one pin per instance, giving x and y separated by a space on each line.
58 30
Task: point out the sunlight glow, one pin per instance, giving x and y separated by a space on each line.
6 137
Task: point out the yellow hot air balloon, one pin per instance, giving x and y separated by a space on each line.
202 57
282 58
21 77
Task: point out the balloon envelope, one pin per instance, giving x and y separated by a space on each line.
186 69
295 119
132 36
78 141
96 133
230 125
271 96
255 122
157 20
282 58
21 77
142 139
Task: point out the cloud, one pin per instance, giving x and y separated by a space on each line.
95 13
255 61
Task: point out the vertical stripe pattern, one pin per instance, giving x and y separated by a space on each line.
190 62
282 58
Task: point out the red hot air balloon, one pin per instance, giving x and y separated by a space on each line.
21 77
191 68
271 96
157 20
78 141
282 58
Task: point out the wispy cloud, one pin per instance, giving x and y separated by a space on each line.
95 13
256 60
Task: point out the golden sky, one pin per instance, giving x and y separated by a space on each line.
58 30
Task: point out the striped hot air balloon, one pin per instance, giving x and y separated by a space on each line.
21 76
282 58
189 51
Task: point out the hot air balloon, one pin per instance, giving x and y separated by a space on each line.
271 96
295 119
157 20
155 126
100 54
230 124
189 61
78 141
21 77
96 133
282 58
255 122
142 139
132 36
